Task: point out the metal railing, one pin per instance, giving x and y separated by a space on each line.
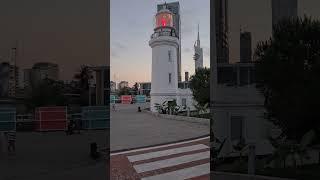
24 118
171 33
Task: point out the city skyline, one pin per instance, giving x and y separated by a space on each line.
68 33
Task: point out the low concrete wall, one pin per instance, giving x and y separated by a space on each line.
182 118
234 176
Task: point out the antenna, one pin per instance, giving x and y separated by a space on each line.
198 40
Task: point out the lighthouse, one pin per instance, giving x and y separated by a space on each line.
164 43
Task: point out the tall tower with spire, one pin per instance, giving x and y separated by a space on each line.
198 55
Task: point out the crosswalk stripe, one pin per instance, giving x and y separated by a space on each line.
161 146
171 162
168 152
183 173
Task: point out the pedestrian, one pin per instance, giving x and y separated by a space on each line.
70 127
11 136
114 107
94 153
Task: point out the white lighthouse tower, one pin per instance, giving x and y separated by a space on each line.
164 43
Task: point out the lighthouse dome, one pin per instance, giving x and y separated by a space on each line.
164 18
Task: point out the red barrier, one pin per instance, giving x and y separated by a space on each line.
51 118
126 99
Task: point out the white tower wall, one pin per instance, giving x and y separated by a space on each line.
162 66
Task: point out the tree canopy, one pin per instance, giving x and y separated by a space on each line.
46 93
200 86
288 71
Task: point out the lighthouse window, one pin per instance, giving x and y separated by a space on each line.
169 77
169 56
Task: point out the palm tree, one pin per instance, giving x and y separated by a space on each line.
83 76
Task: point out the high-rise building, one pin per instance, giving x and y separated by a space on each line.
13 80
198 54
245 47
13 73
222 30
9 77
46 70
283 9
4 79
27 77
174 7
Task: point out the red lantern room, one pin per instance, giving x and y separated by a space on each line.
164 18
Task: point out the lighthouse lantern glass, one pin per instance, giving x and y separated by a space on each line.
164 19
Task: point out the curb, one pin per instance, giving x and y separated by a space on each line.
181 118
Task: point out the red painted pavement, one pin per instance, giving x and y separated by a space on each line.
122 169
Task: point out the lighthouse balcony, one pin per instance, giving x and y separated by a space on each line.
164 32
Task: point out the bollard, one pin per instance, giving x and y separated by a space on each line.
251 159
3 142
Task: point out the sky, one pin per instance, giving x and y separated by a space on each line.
256 16
74 32
66 32
132 25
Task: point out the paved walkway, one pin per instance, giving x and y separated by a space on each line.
132 129
178 161
53 155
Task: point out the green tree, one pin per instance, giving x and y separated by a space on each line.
135 89
46 93
200 86
83 76
168 107
124 91
288 71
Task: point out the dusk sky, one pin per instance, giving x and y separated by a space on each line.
132 25
66 32
73 32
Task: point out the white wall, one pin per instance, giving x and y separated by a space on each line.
246 102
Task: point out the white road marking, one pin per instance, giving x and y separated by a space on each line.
168 152
171 162
182 174
156 147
